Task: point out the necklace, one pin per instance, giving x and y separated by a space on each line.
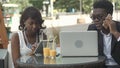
29 45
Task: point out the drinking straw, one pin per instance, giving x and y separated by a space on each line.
54 42
48 40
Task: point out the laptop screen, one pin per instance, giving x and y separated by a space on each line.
79 43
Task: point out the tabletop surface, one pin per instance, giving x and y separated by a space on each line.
58 60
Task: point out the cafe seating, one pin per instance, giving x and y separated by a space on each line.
10 62
3 58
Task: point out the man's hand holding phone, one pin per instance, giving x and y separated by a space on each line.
109 23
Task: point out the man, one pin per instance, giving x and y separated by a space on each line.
108 32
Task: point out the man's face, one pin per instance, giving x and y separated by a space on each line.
98 17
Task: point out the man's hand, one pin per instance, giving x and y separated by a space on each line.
108 23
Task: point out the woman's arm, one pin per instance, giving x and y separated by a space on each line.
15 48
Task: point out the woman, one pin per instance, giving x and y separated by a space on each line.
24 42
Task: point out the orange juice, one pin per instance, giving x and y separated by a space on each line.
46 60
52 61
46 52
52 53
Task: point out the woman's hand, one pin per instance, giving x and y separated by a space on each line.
33 49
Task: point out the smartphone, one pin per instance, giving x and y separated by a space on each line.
39 48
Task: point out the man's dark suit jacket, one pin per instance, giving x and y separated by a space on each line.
115 45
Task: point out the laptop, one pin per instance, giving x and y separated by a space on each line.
79 43
73 60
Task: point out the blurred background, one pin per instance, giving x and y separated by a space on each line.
54 12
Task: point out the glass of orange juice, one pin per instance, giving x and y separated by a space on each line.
46 60
52 61
52 53
46 52
53 50
46 49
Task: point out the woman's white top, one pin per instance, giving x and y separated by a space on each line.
24 50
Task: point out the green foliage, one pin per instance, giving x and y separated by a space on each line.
87 5
22 3
117 4
63 5
68 4
25 3
37 3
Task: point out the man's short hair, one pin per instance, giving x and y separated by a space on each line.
104 4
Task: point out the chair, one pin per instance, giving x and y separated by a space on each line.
3 33
10 62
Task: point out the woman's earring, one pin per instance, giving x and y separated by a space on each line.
20 28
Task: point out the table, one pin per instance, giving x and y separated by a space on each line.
3 58
61 62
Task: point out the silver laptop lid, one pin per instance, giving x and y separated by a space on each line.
79 43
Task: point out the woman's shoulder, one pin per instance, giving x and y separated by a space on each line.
15 36
14 40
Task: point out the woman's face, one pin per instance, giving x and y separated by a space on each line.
98 17
32 26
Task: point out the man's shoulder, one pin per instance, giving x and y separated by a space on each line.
92 26
117 21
